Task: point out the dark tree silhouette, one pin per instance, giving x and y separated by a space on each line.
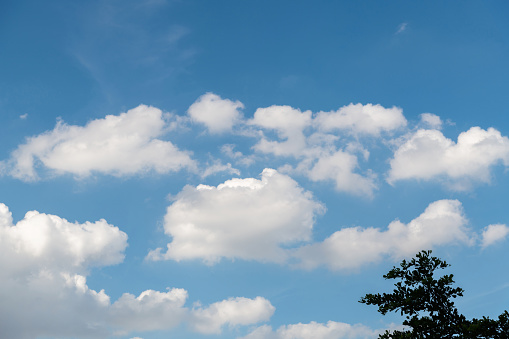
426 302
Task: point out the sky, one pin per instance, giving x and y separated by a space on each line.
246 169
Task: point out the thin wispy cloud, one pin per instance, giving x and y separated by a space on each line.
402 27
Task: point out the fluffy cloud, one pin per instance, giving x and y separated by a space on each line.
362 119
339 167
289 123
493 234
428 155
260 220
48 241
51 304
131 143
42 290
308 140
431 120
124 144
234 311
217 167
62 305
442 222
44 260
313 330
241 218
218 115
151 310
229 151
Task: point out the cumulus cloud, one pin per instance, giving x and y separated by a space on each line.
131 143
217 167
229 151
217 114
51 304
429 155
43 240
313 330
431 120
124 144
289 123
323 154
339 167
443 222
154 310
493 234
271 220
242 218
44 260
232 312
362 119
151 310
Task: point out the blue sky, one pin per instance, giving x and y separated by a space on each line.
242 169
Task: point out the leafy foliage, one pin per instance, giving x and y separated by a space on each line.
427 304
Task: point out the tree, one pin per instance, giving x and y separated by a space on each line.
427 303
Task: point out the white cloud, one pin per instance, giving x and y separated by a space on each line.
232 312
362 119
48 241
124 144
250 220
431 120
493 234
23 116
217 167
428 155
443 222
51 304
218 115
307 140
154 310
42 287
241 218
289 123
284 119
339 167
228 150
151 310
314 330
402 27
44 260
62 305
